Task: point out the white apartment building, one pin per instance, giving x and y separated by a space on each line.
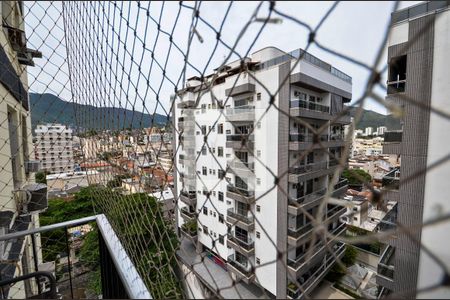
368 131
54 148
381 130
242 218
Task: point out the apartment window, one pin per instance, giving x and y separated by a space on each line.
204 170
258 125
209 106
258 234
221 239
203 150
203 108
214 214
212 150
203 129
220 174
214 193
205 210
355 219
220 196
221 218
258 153
355 209
397 75
205 229
220 151
228 202
258 181
258 261
220 129
258 208
258 96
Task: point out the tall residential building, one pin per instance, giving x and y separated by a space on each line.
368 131
20 199
54 148
418 62
249 219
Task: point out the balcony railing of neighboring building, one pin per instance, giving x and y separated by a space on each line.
385 266
240 191
307 137
294 292
240 137
245 271
298 232
393 136
245 218
312 167
310 197
118 276
309 105
246 109
242 165
392 179
244 242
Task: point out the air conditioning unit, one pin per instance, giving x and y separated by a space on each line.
296 93
32 198
32 166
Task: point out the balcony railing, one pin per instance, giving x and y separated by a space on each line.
241 165
240 191
392 179
308 168
341 184
385 266
311 197
393 136
240 137
247 272
189 214
239 216
296 233
309 105
118 274
247 109
243 242
307 137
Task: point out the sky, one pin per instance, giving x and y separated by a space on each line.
102 44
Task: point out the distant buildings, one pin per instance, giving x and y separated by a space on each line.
381 130
53 148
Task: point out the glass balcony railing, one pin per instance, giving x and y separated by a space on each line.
244 242
307 137
308 168
309 105
243 217
240 191
246 109
311 197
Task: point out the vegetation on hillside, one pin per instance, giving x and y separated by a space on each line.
356 176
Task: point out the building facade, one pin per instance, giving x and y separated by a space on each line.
418 70
226 186
54 148
17 210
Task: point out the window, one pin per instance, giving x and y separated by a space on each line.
258 234
355 219
221 239
228 202
205 229
258 96
221 196
203 108
221 218
205 210
355 209
220 174
203 129
397 75
258 261
203 150
220 129
258 153
258 208
212 150
258 181
258 125
204 170
220 151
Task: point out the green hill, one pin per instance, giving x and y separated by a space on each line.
373 119
48 108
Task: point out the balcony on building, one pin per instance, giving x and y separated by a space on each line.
187 100
307 109
240 194
340 187
297 205
302 262
119 277
385 270
392 179
241 268
241 243
245 113
189 198
315 274
240 84
190 231
305 141
308 171
392 142
188 213
243 219
241 168
240 141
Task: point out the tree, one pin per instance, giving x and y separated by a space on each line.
348 259
40 177
356 176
